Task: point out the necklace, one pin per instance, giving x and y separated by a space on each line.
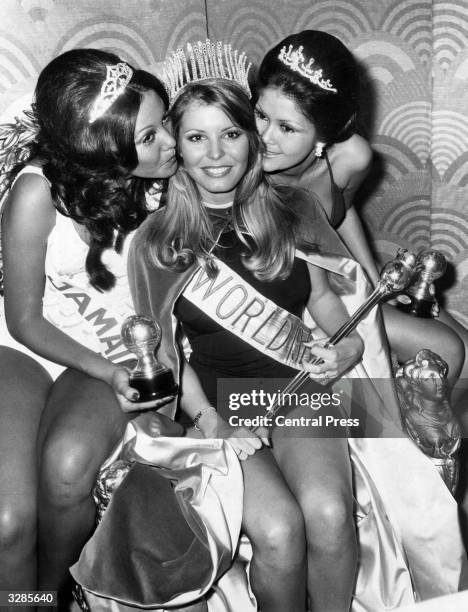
222 218
220 213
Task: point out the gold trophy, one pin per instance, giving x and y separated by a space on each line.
428 419
151 378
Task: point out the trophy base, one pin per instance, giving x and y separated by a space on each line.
159 386
417 308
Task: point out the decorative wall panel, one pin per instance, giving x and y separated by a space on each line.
414 58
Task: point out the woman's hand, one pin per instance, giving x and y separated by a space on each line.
244 442
335 360
127 396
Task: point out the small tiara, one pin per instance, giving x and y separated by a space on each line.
205 60
295 60
117 78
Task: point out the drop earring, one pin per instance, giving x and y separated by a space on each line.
319 148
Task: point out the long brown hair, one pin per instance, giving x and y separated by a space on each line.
183 232
89 165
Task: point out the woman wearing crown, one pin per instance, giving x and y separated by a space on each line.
306 111
218 144
79 192
231 262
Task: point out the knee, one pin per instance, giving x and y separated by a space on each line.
329 521
17 527
459 356
281 536
452 350
68 471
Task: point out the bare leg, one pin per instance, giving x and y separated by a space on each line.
460 390
460 406
24 385
449 339
318 472
274 524
408 334
82 423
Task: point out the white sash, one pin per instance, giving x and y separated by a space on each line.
93 323
235 305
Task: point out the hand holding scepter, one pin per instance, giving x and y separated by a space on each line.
394 278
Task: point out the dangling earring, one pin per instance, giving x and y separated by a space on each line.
319 147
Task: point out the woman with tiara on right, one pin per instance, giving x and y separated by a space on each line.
306 110
232 261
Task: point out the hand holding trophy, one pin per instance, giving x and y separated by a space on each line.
152 379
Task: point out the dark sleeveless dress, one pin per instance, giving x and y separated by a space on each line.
218 353
338 211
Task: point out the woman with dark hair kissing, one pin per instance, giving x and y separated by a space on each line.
87 179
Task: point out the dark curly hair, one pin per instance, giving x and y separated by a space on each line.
333 113
90 165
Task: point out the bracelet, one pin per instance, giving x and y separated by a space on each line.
199 415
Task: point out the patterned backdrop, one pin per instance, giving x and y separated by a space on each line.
414 57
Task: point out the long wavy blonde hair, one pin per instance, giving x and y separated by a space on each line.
183 232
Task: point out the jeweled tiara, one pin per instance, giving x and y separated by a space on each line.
294 59
205 60
117 78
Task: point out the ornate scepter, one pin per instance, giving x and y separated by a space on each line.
394 278
419 298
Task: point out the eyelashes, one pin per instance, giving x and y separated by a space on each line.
229 135
148 138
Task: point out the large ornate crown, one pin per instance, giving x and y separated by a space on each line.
117 78
205 60
294 59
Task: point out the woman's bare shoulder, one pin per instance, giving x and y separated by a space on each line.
353 155
29 208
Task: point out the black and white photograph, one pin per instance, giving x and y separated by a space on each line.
234 305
